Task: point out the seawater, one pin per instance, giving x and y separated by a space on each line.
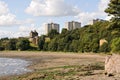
9 66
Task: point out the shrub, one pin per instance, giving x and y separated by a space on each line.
115 46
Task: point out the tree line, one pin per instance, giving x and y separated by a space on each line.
85 39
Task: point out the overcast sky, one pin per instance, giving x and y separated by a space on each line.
19 17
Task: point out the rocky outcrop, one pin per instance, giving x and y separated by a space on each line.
102 41
112 65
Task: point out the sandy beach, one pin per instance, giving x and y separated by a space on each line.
52 59
49 60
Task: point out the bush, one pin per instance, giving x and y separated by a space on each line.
2 48
115 46
104 48
23 44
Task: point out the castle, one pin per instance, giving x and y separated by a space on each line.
34 37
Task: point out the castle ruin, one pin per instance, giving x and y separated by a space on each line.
34 37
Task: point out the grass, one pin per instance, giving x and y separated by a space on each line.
62 72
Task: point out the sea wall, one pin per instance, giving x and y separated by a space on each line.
112 64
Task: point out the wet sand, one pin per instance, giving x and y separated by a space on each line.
44 60
53 59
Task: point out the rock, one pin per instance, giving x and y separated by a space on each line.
112 65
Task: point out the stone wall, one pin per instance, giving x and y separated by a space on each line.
112 64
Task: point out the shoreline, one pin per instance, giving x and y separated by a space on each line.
45 60
39 57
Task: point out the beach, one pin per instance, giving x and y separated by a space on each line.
46 62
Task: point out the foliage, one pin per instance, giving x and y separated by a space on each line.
85 39
52 46
115 46
41 42
114 8
23 44
3 39
53 33
64 31
1 48
104 48
45 47
11 45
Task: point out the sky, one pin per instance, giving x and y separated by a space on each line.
19 17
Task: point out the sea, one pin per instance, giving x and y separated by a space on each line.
10 66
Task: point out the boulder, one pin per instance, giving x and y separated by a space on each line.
112 65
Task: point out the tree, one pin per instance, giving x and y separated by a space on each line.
1 48
114 8
104 48
95 45
41 44
23 44
61 44
3 39
74 46
11 45
45 47
64 30
53 33
115 46
53 45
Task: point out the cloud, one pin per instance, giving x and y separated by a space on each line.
19 34
51 8
9 19
3 33
3 8
42 30
10 34
28 28
23 31
103 5
86 17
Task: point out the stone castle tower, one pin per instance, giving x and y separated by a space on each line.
34 37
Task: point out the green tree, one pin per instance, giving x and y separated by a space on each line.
53 45
66 48
1 48
95 45
53 33
115 46
45 47
11 45
61 44
41 44
114 8
3 39
104 48
74 46
23 44
64 30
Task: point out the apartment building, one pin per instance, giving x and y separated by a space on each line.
72 25
51 26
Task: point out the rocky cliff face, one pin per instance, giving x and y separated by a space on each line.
112 64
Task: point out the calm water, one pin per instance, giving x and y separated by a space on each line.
9 66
